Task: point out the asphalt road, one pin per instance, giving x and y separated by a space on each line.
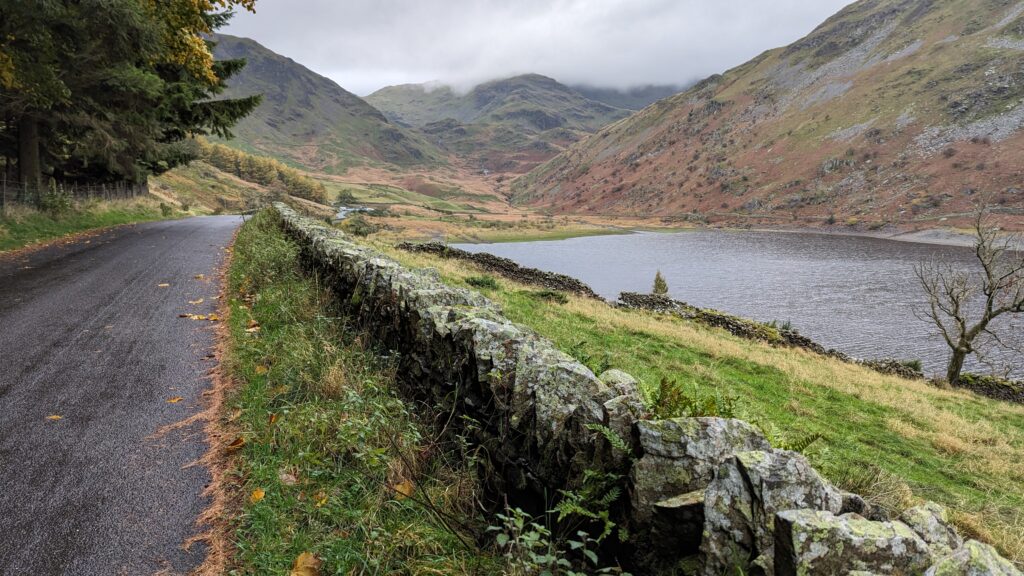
88 334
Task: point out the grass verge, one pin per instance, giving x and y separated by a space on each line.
335 469
890 439
22 227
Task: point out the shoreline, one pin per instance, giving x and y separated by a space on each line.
932 236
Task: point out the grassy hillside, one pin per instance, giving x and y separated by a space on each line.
308 120
893 440
891 111
21 226
506 125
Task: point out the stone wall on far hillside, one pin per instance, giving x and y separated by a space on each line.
709 487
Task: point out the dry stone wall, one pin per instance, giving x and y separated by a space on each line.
707 486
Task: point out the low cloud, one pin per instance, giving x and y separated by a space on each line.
367 44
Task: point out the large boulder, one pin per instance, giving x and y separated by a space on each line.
742 501
681 455
931 522
973 559
819 542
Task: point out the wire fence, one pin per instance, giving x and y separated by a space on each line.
25 194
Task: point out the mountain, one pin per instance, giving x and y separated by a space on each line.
890 111
507 125
636 98
309 120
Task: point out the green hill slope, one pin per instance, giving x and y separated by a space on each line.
892 111
309 120
505 125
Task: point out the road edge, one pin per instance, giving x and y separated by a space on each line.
216 520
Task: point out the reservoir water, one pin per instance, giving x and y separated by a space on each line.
855 294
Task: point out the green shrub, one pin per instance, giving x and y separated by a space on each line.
358 225
669 400
483 281
166 210
55 201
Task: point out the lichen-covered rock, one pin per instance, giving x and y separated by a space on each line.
973 559
681 455
931 522
743 499
817 542
622 383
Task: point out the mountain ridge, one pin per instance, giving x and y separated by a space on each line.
507 125
309 120
890 110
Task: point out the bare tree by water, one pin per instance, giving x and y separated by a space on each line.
963 303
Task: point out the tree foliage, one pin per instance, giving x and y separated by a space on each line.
110 89
660 287
261 170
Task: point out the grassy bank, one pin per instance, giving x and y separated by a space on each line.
402 225
333 464
890 439
23 226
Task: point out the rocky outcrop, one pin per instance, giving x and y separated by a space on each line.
931 522
743 499
993 387
819 542
541 422
974 559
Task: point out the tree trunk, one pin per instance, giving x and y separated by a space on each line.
956 365
29 167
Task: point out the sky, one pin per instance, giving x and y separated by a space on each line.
364 45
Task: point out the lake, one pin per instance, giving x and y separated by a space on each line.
855 294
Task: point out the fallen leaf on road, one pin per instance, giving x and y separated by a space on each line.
164 285
194 302
237 443
175 400
404 489
257 495
54 417
200 276
306 565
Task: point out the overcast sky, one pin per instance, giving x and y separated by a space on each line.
367 44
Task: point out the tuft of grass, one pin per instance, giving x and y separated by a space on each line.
484 281
333 462
21 226
949 446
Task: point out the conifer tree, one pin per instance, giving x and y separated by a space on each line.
660 286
